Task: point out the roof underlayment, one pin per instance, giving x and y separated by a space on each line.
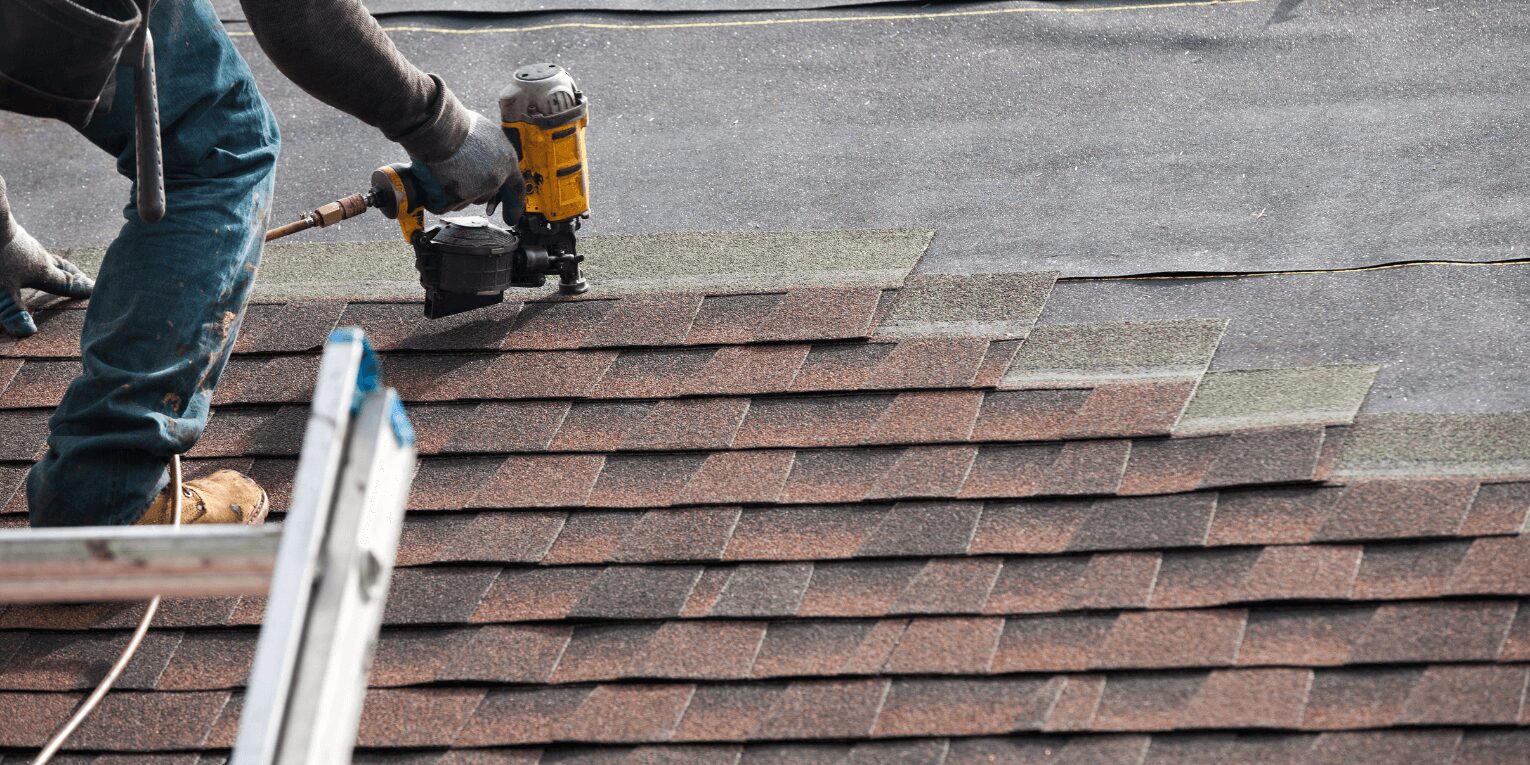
848 524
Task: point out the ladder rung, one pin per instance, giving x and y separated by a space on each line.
135 562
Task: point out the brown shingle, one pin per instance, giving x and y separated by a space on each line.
1155 639
839 366
1249 698
589 536
824 709
1499 508
1493 565
700 650
929 363
550 480
291 328
763 589
547 325
1038 526
629 480
602 651
506 426
952 707
922 528
1302 573
1051 643
731 319
1303 636
865 588
437 595
678 535
1417 570
38 383
728 477
811 420
821 314
542 374
706 423
1399 509
1271 516
1467 695
803 533
599 425
1179 520
836 475
627 713
1424 632
522 715
638 320
728 712
927 417
946 646
514 653
534 594
637 592
1359 698
820 647
949 585
925 471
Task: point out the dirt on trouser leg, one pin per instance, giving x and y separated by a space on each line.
169 296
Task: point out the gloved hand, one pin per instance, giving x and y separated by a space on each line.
484 167
24 263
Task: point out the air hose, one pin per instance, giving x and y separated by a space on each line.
56 742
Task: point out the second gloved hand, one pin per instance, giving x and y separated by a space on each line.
25 263
475 173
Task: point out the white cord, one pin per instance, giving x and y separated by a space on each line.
84 710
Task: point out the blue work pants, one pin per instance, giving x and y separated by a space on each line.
170 295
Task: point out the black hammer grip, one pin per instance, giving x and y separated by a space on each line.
151 169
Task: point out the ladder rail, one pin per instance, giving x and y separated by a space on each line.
91 564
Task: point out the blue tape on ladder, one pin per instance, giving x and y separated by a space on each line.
368 380
403 430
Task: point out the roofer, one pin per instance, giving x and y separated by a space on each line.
164 315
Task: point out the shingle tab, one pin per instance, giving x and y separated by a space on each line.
1071 355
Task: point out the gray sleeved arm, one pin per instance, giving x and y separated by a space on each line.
337 52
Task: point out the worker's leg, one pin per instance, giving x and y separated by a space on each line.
170 294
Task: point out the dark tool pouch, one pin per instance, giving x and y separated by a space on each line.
58 59
58 56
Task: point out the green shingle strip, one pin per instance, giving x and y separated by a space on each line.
1268 398
614 264
1401 444
1079 355
995 306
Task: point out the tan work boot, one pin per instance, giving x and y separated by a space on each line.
226 496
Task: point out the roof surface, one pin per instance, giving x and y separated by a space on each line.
851 524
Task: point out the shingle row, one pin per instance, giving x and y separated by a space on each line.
806 314
861 419
1370 511
877 708
644 373
1414 747
1488 566
742 649
1419 746
797 476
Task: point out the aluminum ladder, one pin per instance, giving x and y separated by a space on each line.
326 569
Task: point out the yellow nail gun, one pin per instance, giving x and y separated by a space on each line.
469 262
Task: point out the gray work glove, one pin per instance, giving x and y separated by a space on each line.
475 173
24 263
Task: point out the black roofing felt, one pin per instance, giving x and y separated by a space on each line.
1099 138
